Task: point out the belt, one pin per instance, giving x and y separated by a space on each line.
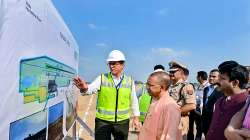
185 115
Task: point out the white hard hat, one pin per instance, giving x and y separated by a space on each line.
157 70
116 55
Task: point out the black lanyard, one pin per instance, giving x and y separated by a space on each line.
119 84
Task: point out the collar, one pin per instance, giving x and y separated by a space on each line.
120 78
213 86
203 85
236 97
179 82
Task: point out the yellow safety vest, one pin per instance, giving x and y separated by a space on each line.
144 103
113 104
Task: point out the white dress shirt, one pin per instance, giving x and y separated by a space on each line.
199 93
94 87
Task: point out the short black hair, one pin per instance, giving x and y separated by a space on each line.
234 71
159 66
248 68
214 70
186 72
202 74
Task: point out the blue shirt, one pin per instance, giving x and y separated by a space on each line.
210 91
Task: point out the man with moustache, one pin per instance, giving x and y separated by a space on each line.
232 80
183 93
210 95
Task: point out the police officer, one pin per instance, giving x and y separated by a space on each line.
183 93
116 97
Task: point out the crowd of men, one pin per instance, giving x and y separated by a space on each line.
167 106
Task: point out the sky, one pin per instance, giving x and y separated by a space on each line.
200 34
29 125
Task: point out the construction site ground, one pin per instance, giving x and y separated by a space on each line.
86 111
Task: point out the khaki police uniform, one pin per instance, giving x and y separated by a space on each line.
181 93
182 97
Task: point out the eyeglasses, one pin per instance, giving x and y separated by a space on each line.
151 85
173 72
114 63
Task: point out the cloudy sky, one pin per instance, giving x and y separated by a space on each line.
200 34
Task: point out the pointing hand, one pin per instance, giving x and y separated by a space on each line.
80 83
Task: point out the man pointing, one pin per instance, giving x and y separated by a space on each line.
116 97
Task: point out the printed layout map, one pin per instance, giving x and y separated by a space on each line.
41 77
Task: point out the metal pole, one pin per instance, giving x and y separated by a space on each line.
74 131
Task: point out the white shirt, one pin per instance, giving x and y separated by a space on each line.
199 93
94 87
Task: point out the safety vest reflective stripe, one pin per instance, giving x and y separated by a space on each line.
112 112
114 104
106 84
144 103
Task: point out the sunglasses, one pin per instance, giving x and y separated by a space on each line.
173 71
115 63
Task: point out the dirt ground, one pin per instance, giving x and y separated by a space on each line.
86 111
